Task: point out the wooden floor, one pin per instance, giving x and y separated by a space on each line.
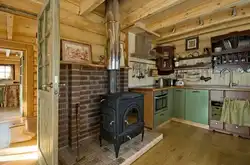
9 114
187 145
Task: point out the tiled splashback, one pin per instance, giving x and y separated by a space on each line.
133 80
242 79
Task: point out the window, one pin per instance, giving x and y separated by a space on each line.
6 72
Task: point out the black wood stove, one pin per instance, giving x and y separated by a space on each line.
121 113
122 118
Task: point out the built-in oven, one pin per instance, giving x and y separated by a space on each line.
160 101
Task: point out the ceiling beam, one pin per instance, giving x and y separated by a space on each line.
69 14
209 28
149 9
15 11
199 11
10 22
87 6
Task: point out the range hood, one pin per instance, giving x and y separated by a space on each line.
143 47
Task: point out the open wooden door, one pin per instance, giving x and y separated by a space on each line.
48 80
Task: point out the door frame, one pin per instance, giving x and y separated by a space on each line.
28 80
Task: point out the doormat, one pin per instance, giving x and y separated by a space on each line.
92 154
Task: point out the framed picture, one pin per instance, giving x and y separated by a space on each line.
76 52
192 43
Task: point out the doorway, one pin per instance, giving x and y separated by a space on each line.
42 87
11 85
17 93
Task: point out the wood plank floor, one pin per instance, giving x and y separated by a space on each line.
188 145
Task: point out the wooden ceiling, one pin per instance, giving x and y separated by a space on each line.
165 17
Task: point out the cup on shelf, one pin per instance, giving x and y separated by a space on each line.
217 49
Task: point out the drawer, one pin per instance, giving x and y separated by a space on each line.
237 129
216 95
162 92
216 124
238 95
160 118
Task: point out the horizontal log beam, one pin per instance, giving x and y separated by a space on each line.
149 9
200 30
196 12
87 6
19 12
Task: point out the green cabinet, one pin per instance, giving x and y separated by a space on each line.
179 103
196 108
160 118
167 114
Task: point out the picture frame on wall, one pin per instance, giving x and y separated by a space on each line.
192 43
76 52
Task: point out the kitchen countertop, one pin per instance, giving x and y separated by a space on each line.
200 87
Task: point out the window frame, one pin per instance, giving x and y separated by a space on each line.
12 70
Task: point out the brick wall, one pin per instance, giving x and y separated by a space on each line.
84 86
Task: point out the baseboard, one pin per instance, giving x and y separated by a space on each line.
142 151
163 124
191 123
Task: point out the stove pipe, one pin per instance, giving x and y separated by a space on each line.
113 42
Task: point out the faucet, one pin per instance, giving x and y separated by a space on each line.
231 83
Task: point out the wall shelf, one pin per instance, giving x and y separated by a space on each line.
88 65
197 66
189 58
231 51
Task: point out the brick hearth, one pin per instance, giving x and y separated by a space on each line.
84 86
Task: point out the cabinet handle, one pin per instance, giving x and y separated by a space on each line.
162 114
178 90
196 91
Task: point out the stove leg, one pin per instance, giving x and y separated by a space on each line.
142 135
117 148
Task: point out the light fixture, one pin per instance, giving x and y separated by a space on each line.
21 54
7 52
200 21
234 11
174 29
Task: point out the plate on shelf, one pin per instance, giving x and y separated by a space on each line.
227 44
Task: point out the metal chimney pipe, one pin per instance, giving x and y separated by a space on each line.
113 42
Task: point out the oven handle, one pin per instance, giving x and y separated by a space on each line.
160 97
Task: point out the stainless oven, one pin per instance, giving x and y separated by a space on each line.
160 101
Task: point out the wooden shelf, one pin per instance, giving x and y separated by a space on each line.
142 56
231 51
197 66
88 65
83 64
189 58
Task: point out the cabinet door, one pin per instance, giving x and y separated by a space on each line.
179 103
160 118
197 106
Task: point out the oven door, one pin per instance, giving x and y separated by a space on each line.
161 103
